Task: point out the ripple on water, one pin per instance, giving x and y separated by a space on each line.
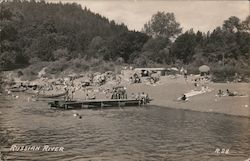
152 133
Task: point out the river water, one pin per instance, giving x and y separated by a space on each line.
134 133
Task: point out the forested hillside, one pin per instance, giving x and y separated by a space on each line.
32 31
66 36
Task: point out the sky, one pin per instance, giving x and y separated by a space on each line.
199 15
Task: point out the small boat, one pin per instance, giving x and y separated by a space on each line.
52 95
18 89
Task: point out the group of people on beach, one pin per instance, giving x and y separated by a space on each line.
119 93
200 80
227 93
135 78
141 96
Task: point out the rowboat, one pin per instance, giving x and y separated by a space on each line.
18 89
52 95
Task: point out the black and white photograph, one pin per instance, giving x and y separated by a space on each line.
124 80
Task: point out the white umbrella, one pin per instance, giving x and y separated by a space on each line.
204 68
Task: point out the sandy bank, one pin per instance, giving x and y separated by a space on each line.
168 90
166 94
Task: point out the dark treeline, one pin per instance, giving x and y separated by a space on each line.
34 32
38 30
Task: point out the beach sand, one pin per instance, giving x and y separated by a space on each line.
168 90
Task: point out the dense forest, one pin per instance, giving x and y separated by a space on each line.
67 36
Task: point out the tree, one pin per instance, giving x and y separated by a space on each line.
162 25
156 50
95 46
7 60
184 47
1 82
245 25
60 53
232 24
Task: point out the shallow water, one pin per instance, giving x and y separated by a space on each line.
134 133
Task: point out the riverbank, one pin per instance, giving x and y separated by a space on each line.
168 90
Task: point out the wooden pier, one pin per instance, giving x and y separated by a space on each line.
98 103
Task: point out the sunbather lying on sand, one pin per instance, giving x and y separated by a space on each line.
228 93
233 93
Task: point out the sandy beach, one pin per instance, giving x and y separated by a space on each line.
168 90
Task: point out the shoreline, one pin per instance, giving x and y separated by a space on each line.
166 94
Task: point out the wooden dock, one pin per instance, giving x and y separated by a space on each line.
98 103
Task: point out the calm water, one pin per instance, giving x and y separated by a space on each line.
148 133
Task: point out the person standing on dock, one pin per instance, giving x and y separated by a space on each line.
143 98
138 96
147 99
133 96
66 98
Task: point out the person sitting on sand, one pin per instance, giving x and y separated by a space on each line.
230 93
87 96
131 80
233 93
93 97
195 83
184 98
220 93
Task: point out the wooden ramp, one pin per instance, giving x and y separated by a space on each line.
88 104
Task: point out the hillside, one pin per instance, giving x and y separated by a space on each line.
39 31
67 37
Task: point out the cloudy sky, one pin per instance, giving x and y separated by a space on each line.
199 15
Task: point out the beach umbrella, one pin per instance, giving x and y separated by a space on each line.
204 68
